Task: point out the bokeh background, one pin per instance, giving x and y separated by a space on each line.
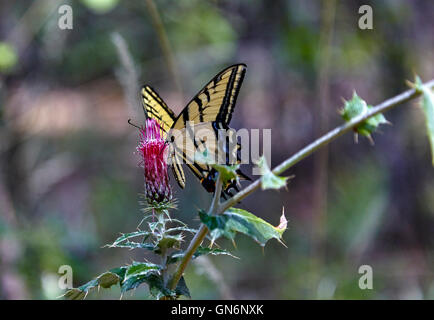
70 181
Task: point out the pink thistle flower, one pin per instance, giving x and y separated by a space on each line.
154 152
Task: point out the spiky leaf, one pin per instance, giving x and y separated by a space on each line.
357 107
182 289
170 241
268 179
124 241
127 236
238 220
140 268
201 251
105 280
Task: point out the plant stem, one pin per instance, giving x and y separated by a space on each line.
164 264
324 140
198 238
215 202
217 208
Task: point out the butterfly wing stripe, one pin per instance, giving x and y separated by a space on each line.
199 108
184 114
236 79
200 171
178 172
162 103
225 105
197 168
207 95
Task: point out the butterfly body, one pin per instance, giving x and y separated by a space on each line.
199 127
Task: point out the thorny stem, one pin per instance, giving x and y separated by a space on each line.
198 238
215 201
285 165
324 140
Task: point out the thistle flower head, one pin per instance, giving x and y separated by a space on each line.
154 152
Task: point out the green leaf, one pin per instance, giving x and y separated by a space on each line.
227 173
157 288
357 107
182 289
201 251
218 225
156 285
105 280
120 272
130 277
354 107
170 241
268 179
124 242
140 268
177 229
136 245
141 272
130 235
75 294
136 280
238 220
427 104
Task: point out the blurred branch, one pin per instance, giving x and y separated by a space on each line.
127 75
164 43
12 286
219 208
6 206
31 22
321 116
216 276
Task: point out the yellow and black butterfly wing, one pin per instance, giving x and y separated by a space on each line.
216 101
154 107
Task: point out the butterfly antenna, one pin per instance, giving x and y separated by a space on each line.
132 124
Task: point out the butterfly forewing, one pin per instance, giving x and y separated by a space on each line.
216 101
154 107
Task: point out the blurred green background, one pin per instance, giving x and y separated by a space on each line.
70 181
